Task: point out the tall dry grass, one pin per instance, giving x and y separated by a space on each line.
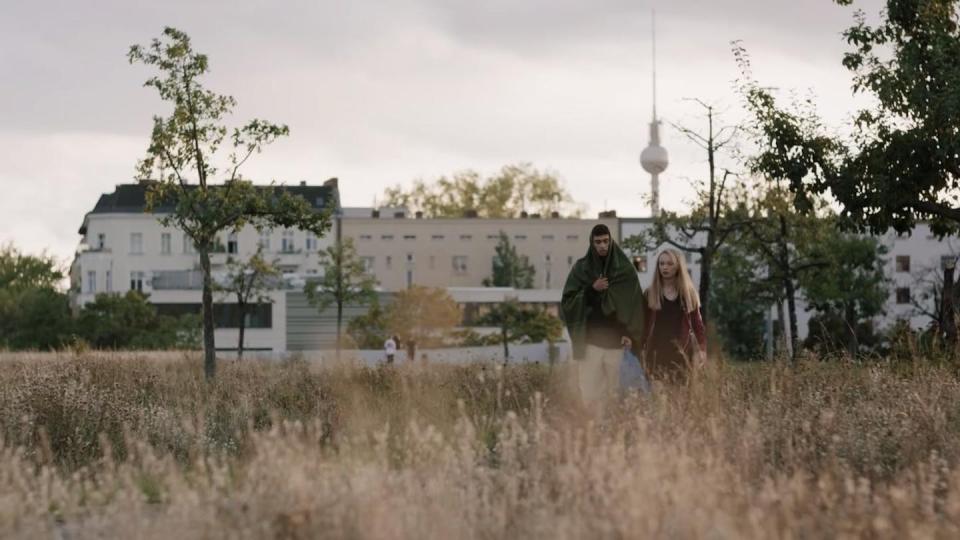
128 445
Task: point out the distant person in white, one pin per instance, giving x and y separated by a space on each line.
390 348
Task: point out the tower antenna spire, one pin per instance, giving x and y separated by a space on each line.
654 157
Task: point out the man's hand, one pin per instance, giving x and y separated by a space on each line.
601 284
626 342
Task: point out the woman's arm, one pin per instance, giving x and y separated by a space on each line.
699 330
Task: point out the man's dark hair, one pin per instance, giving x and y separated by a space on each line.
599 230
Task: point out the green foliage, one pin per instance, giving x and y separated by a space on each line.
184 146
902 164
513 189
369 330
249 282
740 296
509 268
113 321
34 314
344 280
829 335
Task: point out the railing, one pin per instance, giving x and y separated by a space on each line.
173 280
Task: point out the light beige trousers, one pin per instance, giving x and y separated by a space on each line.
599 376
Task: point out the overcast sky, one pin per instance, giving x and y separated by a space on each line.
380 93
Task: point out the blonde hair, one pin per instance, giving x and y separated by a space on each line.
689 297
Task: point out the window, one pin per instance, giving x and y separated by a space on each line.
311 242
187 244
573 237
264 242
286 241
409 237
519 237
548 237
460 264
386 237
947 260
366 237
101 241
409 257
109 284
389 262
367 264
233 243
409 278
437 237
136 243
640 263
165 243
493 237
903 263
136 281
903 295
466 237
92 282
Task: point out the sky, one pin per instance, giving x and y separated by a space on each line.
383 93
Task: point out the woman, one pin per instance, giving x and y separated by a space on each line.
673 314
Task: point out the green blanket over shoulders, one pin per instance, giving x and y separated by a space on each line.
624 297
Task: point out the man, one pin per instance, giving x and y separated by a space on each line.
603 309
390 348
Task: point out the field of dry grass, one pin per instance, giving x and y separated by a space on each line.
139 446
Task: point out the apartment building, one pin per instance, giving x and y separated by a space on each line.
124 248
403 250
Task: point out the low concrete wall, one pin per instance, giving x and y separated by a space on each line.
519 353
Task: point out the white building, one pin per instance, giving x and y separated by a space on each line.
124 248
913 263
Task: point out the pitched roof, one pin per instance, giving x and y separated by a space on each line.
132 198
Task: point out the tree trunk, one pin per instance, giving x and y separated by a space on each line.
209 346
242 306
506 342
339 322
792 314
706 265
948 325
850 318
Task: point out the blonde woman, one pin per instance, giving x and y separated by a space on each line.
675 332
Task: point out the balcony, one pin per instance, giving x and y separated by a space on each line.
177 280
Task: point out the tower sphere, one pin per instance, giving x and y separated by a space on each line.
654 159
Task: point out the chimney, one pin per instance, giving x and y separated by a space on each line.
607 214
375 213
303 182
523 214
332 183
419 214
470 213
555 214
400 215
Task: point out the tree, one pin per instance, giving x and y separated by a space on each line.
128 321
518 323
514 189
741 296
421 316
249 282
711 220
345 281
186 143
369 331
902 163
851 284
509 268
34 313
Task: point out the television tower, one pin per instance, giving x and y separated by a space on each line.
654 157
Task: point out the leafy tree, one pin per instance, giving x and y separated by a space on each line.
851 285
369 331
249 282
184 146
509 268
344 281
34 314
902 163
421 316
741 295
519 323
514 189
114 321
